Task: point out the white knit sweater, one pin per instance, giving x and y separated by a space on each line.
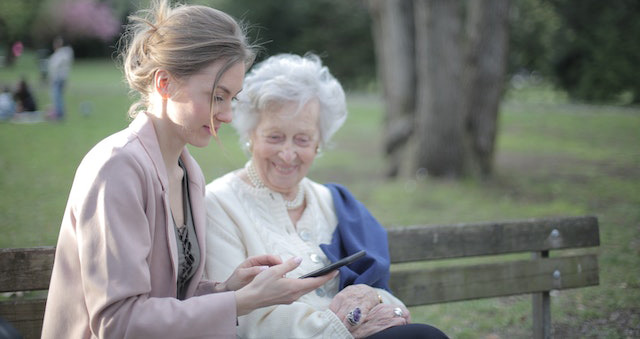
243 221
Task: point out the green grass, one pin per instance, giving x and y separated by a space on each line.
553 158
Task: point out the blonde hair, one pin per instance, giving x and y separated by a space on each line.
182 40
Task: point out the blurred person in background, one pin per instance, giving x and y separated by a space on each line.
23 97
7 104
59 66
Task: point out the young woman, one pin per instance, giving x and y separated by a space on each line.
131 250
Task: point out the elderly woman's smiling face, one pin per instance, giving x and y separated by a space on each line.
284 144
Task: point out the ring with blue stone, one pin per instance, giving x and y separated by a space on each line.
354 316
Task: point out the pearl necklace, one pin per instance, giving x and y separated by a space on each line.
257 183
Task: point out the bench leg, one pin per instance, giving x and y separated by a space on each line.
541 308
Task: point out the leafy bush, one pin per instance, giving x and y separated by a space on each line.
339 31
588 48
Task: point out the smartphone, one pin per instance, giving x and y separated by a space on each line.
335 265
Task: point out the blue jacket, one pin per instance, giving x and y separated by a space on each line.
358 230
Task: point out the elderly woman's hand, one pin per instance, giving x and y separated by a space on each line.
380 317
359 296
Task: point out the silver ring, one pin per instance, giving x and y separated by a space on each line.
397 312
354 316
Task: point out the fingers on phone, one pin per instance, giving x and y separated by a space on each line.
287 266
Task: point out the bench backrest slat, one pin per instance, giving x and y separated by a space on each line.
429 242
438 285
25 269
25 315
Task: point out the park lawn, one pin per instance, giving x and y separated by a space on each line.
553 158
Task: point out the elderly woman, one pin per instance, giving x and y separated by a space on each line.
290 107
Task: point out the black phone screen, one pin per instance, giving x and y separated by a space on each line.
335 265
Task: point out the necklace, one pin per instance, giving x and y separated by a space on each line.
257 183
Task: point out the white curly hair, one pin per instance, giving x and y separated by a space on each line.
285 78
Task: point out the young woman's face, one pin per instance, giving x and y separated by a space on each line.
189 109
284 144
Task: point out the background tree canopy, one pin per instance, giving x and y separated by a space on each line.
588 48
339 31
598 49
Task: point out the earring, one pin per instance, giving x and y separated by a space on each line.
248 144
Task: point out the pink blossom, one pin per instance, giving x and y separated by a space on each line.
88 18
17 48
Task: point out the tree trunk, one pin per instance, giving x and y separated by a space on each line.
440 129
487 49
393 34
442 85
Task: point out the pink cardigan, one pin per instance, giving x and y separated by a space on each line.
116 260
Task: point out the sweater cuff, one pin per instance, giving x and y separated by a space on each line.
336 325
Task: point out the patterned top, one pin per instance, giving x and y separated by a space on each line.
188 249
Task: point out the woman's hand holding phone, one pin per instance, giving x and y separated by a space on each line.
270 287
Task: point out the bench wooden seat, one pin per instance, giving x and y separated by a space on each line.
413 280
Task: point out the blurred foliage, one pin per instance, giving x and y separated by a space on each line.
532 27
598 49
588 48
16 18
91 26
88 19
339 31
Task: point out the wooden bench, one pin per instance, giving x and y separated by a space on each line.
29 269
537 275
